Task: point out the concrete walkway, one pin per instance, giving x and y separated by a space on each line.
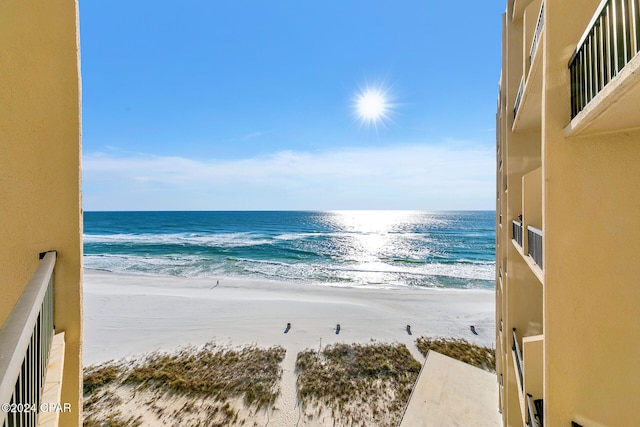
452 393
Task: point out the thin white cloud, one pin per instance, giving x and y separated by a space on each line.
251 135
412 176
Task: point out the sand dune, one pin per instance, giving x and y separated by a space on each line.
127 315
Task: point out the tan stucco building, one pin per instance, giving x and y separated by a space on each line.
568 214
40 203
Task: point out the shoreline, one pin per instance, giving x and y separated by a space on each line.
129 314
286 282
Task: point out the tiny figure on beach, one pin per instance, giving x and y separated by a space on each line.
473 329
287 328
409 329
337 328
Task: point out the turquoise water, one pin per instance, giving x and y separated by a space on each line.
389 249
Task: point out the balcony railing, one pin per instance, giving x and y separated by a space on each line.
534 419
610 41
536 35
516 105
25 341
517 232
534 237
518 358
538 403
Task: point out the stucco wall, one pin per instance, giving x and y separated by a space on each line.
591 223
40 205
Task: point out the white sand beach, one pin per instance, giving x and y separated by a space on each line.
130 314
126 315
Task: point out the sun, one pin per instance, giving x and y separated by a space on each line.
372 106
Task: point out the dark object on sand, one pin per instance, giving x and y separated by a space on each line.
288 327
337 328
473 329
409 329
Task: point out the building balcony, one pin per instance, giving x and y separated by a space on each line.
31 356
519 7
529 367
605 83
501 335
527 113
535 414
517 360
516 105
534 239
536 35
516 229
532 221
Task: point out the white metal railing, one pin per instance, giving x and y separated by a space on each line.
533 417
25 340
516 104
611 39
517 232
534 237
536 35
518 358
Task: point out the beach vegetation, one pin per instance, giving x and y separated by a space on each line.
113 419
360 384
212 371
100 375
208 384
460 349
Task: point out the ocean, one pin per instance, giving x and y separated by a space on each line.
376 249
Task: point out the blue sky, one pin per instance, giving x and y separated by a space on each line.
225 105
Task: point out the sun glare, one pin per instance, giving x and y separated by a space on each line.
372 106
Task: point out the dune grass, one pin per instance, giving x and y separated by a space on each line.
460 349
344 384
210 380
212 371
113 419
362 384
100 375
